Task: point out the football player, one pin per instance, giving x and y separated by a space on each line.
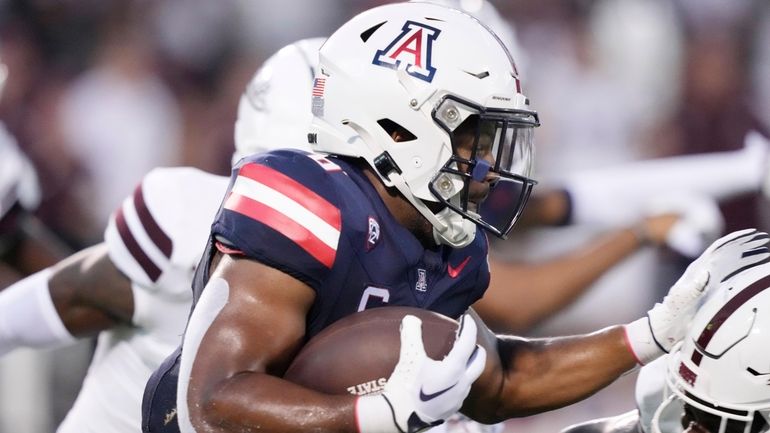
133 290
716 380
26 245
429 147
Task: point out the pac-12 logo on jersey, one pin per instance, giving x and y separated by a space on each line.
373 235
411 50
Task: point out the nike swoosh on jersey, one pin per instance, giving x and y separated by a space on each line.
427 397
455 271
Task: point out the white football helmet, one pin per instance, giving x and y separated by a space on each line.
274 110
720 374
423 70
486 12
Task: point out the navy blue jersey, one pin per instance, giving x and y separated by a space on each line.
320 220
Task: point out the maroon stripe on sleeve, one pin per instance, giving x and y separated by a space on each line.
149 267
158 236
726 311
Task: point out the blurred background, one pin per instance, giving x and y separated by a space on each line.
101 91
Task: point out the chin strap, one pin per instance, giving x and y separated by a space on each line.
464 230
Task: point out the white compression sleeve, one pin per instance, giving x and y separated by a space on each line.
618 195
28 317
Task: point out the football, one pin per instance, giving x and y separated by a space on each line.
358 353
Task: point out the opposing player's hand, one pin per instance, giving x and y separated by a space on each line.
667 322
421 392
698 222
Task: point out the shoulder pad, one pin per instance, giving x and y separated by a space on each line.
157 235
283 209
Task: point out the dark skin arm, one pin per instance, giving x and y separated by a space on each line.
90 294
8 276
548 207
34 247
235 384
522 294
528 376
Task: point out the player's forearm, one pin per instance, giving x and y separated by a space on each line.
39 248
7 276
253 401
547 208
90 294
551 373
508 305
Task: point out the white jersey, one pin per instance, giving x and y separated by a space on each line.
650 392
156 239
18 180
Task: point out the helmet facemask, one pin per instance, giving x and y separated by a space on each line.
709 414
487 179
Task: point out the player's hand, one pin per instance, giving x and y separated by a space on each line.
422 393
697 222
667 322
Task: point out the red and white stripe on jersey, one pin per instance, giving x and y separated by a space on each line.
145 240
288 207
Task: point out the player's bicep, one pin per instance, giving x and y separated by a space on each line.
249 319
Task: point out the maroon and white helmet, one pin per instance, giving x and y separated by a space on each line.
722 368
425 69
274 110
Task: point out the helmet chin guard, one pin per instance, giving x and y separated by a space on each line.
459 232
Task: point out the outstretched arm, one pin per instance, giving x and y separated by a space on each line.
522 294
533 375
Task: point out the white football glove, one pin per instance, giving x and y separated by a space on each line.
667 322
422 393
700 221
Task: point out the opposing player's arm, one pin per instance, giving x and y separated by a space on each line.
508 306
38 246
7 276
78 297
90 294
26 245
550 207
234 381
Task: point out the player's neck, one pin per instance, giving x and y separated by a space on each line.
403 211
